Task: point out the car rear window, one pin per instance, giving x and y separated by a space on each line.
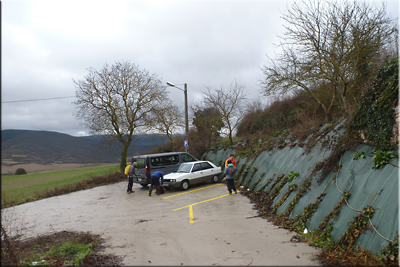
206 165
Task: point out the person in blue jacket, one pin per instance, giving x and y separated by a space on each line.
156 178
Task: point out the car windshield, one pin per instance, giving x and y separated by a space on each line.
185 168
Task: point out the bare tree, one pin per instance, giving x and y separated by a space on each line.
115 101
230 104
167 119
330 43
256 105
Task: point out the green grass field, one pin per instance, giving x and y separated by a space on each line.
21 187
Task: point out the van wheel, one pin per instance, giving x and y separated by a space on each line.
144 185
215 179
185 185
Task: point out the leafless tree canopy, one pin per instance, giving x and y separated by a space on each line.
116 101
332 43
166 118
230 103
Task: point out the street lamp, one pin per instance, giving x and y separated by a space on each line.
186 138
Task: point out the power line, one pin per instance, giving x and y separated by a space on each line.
37 99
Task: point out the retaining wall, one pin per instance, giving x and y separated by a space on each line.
377 188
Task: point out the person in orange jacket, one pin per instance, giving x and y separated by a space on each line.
232 160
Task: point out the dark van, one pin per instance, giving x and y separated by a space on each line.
164 162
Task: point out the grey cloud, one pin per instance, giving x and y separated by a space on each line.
201 43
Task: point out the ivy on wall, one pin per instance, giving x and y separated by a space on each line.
375 114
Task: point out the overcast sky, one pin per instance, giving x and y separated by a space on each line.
47 44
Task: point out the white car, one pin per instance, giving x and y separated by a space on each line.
192 173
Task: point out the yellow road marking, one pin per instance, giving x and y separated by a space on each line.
191 213
200 202
191 191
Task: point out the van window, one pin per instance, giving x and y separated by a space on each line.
140 162
169 160
157 161
187 158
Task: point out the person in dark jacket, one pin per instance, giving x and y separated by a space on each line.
156 178
131 172
230 175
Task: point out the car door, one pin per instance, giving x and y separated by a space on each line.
207 171
196 175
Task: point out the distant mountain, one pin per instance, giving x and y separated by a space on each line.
44 147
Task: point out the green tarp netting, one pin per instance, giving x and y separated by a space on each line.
378 188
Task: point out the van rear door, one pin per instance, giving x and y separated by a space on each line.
141 169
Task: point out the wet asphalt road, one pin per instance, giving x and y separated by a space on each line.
202 226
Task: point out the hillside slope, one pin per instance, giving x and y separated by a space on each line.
352 203
43 147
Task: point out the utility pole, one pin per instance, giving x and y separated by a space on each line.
186 121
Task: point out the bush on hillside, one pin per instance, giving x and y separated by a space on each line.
298 110
20 171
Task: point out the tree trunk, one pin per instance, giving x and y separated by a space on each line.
328 111
173 145
345 104
328 115
171 138
124 154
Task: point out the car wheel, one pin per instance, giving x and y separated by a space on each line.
185 185
144 185
215 179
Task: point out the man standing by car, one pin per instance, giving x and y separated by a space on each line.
155 180
230 174
131 172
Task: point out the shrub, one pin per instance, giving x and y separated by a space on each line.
20 171
294 111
